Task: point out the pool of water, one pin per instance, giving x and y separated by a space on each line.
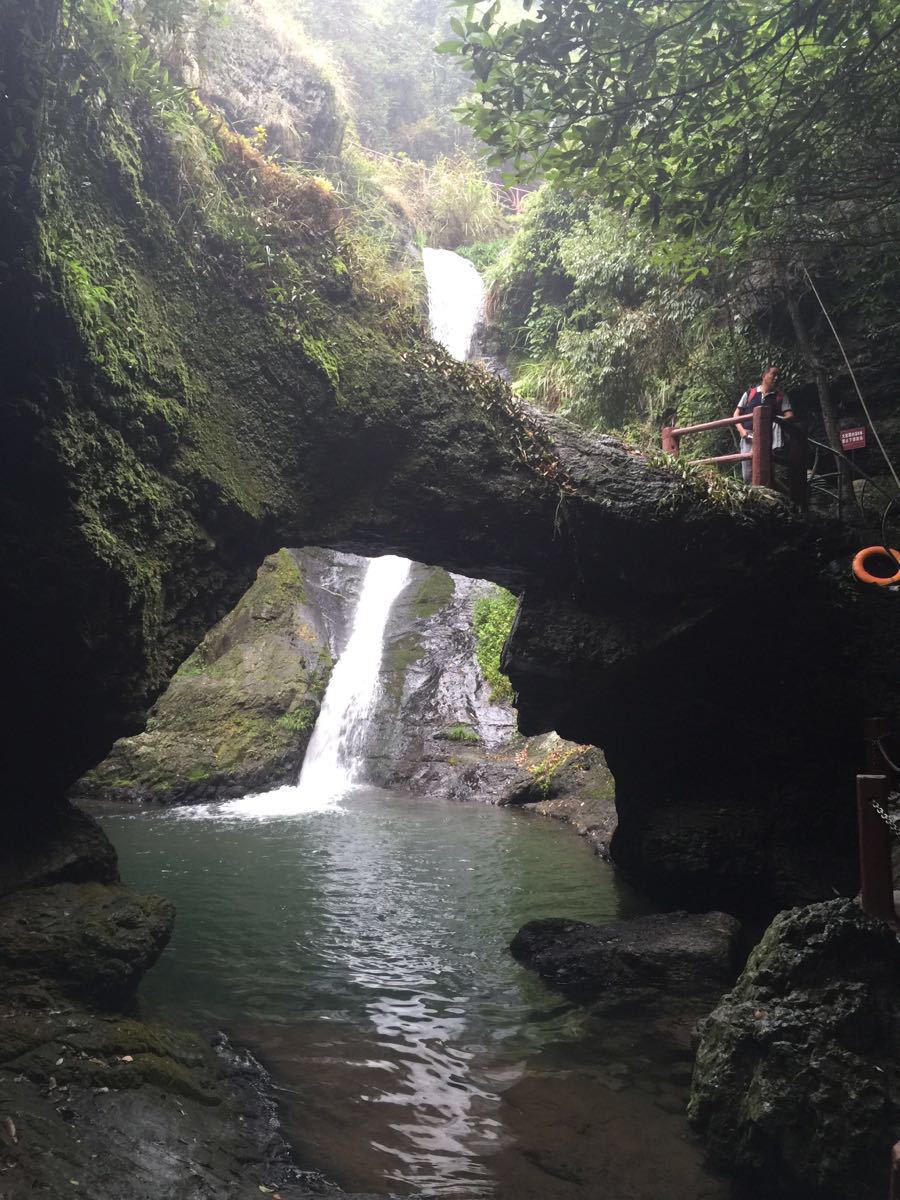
361 952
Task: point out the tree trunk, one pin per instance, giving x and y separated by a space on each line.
826 400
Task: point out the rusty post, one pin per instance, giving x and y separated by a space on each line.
895 1172
873 729
761 463
670 443
876 873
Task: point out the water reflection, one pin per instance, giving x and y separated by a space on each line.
363 954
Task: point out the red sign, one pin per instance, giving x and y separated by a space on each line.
853 439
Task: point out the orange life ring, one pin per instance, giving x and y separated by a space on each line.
859 566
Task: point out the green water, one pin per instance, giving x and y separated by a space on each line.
362 954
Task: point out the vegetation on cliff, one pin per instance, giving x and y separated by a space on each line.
707 165
492 619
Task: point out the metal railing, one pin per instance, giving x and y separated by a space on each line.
877 824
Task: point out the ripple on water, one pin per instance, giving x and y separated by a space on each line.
362 952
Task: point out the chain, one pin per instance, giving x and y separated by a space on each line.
892 820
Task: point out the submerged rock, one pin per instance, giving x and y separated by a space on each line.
666 954
797 1078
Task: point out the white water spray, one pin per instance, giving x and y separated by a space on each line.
333 759
455 300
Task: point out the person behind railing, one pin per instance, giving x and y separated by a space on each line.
765 392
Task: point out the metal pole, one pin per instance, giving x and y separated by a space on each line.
876 873
761 463
873 729
798 454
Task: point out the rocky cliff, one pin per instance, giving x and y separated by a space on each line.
797 1079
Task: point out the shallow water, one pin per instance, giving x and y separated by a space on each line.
362 953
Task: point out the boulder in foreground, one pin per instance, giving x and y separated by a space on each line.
797 1078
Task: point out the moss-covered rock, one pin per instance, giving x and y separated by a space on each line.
262 72
239 712
94 940
570 783
797 1078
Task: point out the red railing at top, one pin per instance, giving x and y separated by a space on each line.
760 456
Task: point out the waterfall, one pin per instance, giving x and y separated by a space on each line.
334 757
455 300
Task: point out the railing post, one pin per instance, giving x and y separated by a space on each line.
876 874
670 443
761 462
798 454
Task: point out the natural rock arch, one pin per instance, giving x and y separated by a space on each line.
164 433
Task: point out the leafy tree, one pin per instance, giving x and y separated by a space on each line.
688 107
758 137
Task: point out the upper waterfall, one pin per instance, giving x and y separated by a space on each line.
455 300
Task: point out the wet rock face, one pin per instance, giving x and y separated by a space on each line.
239 712
94 941
570 783
436 729
653 957
256 70
797 1077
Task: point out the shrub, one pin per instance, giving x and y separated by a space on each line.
492 620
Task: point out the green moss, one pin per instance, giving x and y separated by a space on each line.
300 720
544 772
492 619
193 665
399 656
460 733
433 593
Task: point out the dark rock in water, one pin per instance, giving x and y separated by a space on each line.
64 845
671 954
92 940
797 1077
571 783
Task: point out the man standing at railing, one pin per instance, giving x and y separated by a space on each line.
765 392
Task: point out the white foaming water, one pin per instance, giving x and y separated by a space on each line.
334 756
455 300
